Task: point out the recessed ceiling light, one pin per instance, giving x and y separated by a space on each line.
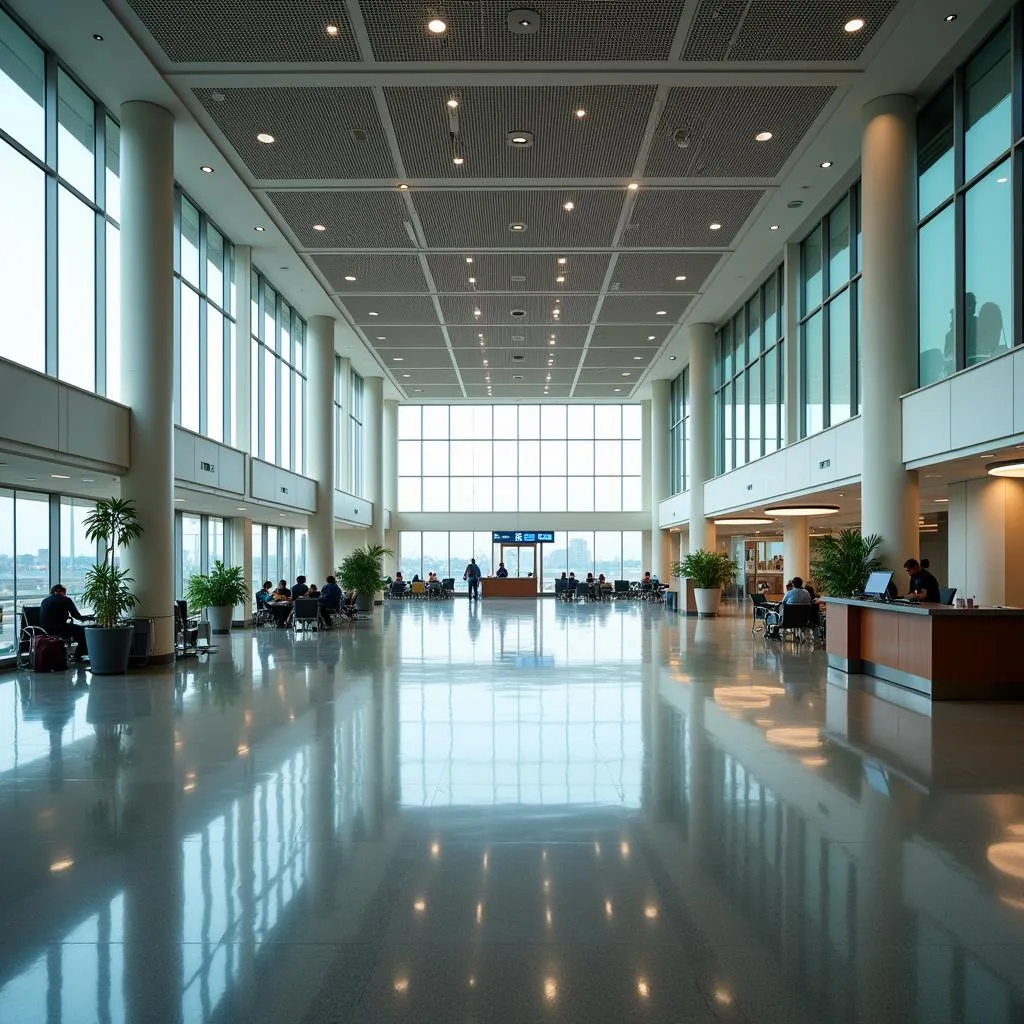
661 312
417 390
59 476
520 139
561 261
206 169
560 279
469 259
632 186
854 25
551 342
398 359
242 508
179 499
616 389
569 206
458 161
381 337
825 164
265 138
373 312
85 479
406 376
941 501
99 38
715 227
637 359
673 358
627 373
650 337
476 312
437 26
472 280
948 18
680 277
259 228
403 186
764 136
319 227
581 112
517 225
349 277
331 30
453 103
773 227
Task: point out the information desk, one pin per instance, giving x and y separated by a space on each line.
510 586
942 652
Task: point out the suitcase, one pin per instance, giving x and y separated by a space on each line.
49 654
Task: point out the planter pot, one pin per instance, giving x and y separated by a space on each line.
220 618
708 601
109 649
364 602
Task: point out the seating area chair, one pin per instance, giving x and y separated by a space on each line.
448 587
798 620
418 589
261 616
760 607
946 595
29 629
620 589
186 630
305 615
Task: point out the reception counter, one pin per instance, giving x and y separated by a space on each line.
510 586
942 652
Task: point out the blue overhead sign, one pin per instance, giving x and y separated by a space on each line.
523 536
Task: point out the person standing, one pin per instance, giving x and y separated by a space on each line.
472 574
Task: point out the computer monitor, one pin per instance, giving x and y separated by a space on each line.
877 584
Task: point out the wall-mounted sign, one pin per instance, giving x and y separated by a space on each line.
523 536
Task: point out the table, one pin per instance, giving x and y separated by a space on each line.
936 650
280 610
510 586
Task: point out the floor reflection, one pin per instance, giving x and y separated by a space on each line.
506 812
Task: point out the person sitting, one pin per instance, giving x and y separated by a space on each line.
923 585
572 575
796 594
590 577
604 584
263 595
811 592
330 599
312 592
416 577
281 592
54 613
564 577
502 572
300 589
432 577
398 584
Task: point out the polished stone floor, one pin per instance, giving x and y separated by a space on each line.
515 812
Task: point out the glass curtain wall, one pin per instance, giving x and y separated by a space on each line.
355 435
616 553
679 433
277 379
199 542
969 198
527 458
830 293
59 284
749 375
279 553
204 324
338 413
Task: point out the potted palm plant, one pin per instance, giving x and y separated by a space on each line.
218 593
114 523
709 571
841 562
361 571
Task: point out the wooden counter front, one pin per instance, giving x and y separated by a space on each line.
510 586
942 652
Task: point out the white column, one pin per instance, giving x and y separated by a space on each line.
661 548
373 453
889 320
389 473
239 540
796 548
241 383
792 395
702 432
986 540
147 357
320 561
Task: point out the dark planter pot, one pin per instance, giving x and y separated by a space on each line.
109 649
220 618
364 602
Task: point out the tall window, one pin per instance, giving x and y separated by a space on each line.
204 336
526 458
279 553
339 460
278 379
967 261
679 432
749 374
60 204
199 542
355 434
830 275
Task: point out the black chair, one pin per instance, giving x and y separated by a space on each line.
946 595
448 587
761 607
261 615
620 589
305 614
30 627
792 618
186 630
559 588
570 590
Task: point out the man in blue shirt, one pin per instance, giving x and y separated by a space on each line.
502 572
797 595
472 574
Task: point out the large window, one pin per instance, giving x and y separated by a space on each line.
526 458
616 553
679 432
59 204
199 542
829 317
278 379
355 434
279 553
339 410
967 261
749 376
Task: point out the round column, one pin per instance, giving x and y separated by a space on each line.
702 433
147 358
373 389
320 444
796 548
889 494
661 549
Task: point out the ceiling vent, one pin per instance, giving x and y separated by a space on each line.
359 134
518 313
681 137
523 22
518 358
518 279
519 337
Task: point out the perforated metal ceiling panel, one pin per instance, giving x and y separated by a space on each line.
655 271
562 377
609 375
253 31
621 337
399 359
616 392
481 219
643 309
519 272
531 358
312 130
720 124
426 392
416 377
671 218
396 309
498 309
774 30
623 358
604 144
569 30
518 337
372 273
391 336
352 220
518 393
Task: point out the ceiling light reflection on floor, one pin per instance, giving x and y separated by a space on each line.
795 736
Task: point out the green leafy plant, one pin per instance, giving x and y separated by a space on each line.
363 569
224 587
709 570
841 562
114 523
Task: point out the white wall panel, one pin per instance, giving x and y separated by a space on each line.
264 480
184 455
232 470
981 404
207 463
926 422
96 428
1018 391
822 457
305 492
350 509
675 510
849 449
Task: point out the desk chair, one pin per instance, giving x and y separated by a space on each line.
305 614
761 607
795 619
186 630
448 587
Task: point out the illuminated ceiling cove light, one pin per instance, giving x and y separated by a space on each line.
854 25
437 26
1013 467
743 521
802 510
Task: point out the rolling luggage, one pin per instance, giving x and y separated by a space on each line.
49 654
